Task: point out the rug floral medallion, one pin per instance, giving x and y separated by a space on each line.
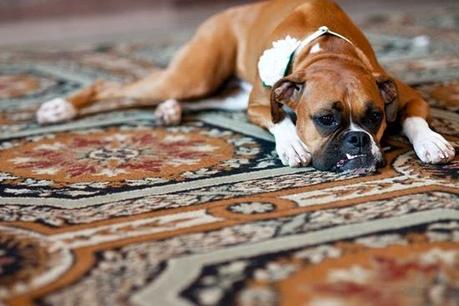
115 209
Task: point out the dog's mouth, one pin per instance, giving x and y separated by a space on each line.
359 164
351 157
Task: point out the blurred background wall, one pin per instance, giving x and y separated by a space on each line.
59 21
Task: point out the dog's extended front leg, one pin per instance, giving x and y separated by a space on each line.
429 146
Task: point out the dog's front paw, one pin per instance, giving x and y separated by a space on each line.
56 110
293 152
432 148
169 112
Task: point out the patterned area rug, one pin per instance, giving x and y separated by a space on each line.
113 209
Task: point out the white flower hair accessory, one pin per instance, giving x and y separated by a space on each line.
274 62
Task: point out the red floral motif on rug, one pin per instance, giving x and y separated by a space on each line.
395 275
115 155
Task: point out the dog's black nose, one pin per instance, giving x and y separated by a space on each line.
359 140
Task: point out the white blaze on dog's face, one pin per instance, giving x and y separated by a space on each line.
341 115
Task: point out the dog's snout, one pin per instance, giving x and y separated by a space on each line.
359 140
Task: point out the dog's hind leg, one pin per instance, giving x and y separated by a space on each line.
197 70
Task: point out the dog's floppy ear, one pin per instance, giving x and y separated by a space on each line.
285 91
389 93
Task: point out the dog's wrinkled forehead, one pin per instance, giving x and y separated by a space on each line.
352 97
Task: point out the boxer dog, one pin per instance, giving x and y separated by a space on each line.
303 55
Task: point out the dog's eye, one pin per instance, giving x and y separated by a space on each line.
372 120
327 120
375 116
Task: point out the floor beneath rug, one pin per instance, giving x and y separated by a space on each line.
114 209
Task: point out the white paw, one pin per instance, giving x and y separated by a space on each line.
291 150
56 110
432 148
169 112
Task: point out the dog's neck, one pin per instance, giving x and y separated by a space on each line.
329 48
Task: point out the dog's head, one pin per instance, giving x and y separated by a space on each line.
342 111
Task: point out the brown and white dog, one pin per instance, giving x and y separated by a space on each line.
330 78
